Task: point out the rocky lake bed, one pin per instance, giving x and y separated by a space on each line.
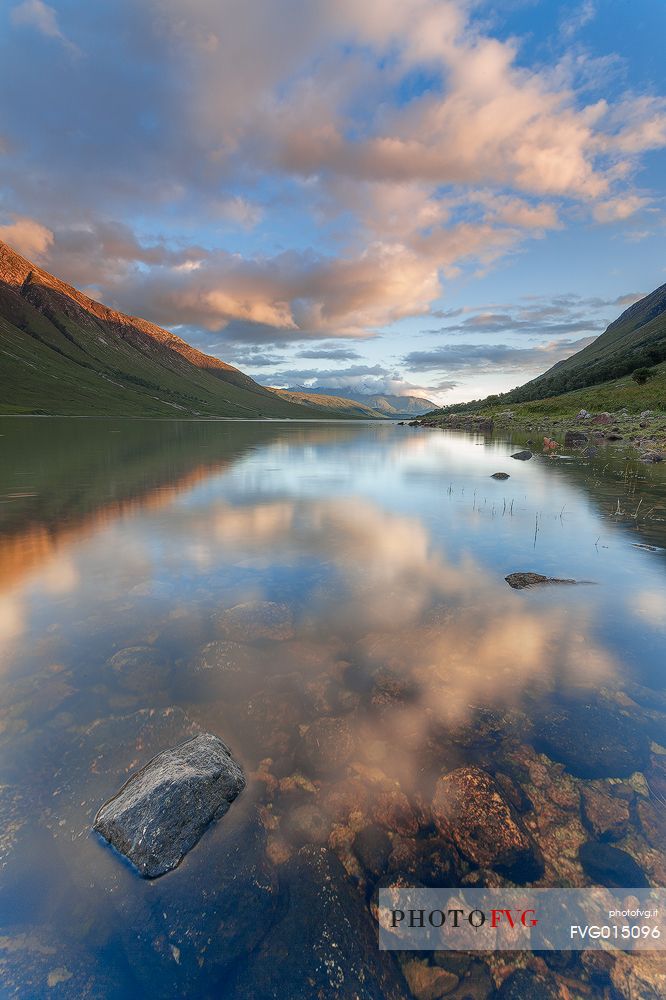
308 658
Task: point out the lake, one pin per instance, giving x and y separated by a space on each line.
329 599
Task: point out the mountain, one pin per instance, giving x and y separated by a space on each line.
62 352
385 404
637 339
329 405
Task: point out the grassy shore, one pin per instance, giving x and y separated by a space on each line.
623 399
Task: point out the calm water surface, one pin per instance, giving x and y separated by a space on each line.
266 576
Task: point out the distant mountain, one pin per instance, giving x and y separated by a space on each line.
387 405
637 339
329 405
63 353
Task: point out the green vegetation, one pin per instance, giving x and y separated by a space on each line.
641 375
630 346
61 353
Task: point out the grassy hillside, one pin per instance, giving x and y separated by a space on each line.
63 353
611 396
637 339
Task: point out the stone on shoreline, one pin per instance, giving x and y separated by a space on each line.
522 456
573 438
162 810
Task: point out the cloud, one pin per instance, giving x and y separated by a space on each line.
577 18
485 357
38 15
238 211
535 316
329 354
367 379
298 120
619 208
27 236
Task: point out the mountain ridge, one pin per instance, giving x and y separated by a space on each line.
636 339
63 352
387 404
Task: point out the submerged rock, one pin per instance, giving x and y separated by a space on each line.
162 810
139 668
651 457
611 867
522 456
593 740
500 475
524 984
257 620
372 847
470 809
327 745
326 943
427 982
306 824
521 580
607 816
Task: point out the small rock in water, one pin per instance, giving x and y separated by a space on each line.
470 809
651 457
162 810
257 620
500 475
522 456
521 580
590 451
611 867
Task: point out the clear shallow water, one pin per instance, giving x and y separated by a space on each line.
368 562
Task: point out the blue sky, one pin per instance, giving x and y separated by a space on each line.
439 197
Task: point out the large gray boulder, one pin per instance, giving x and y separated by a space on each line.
162 810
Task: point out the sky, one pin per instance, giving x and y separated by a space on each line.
431 197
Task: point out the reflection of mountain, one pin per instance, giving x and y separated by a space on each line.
59 478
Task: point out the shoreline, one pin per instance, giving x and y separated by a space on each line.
644 432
